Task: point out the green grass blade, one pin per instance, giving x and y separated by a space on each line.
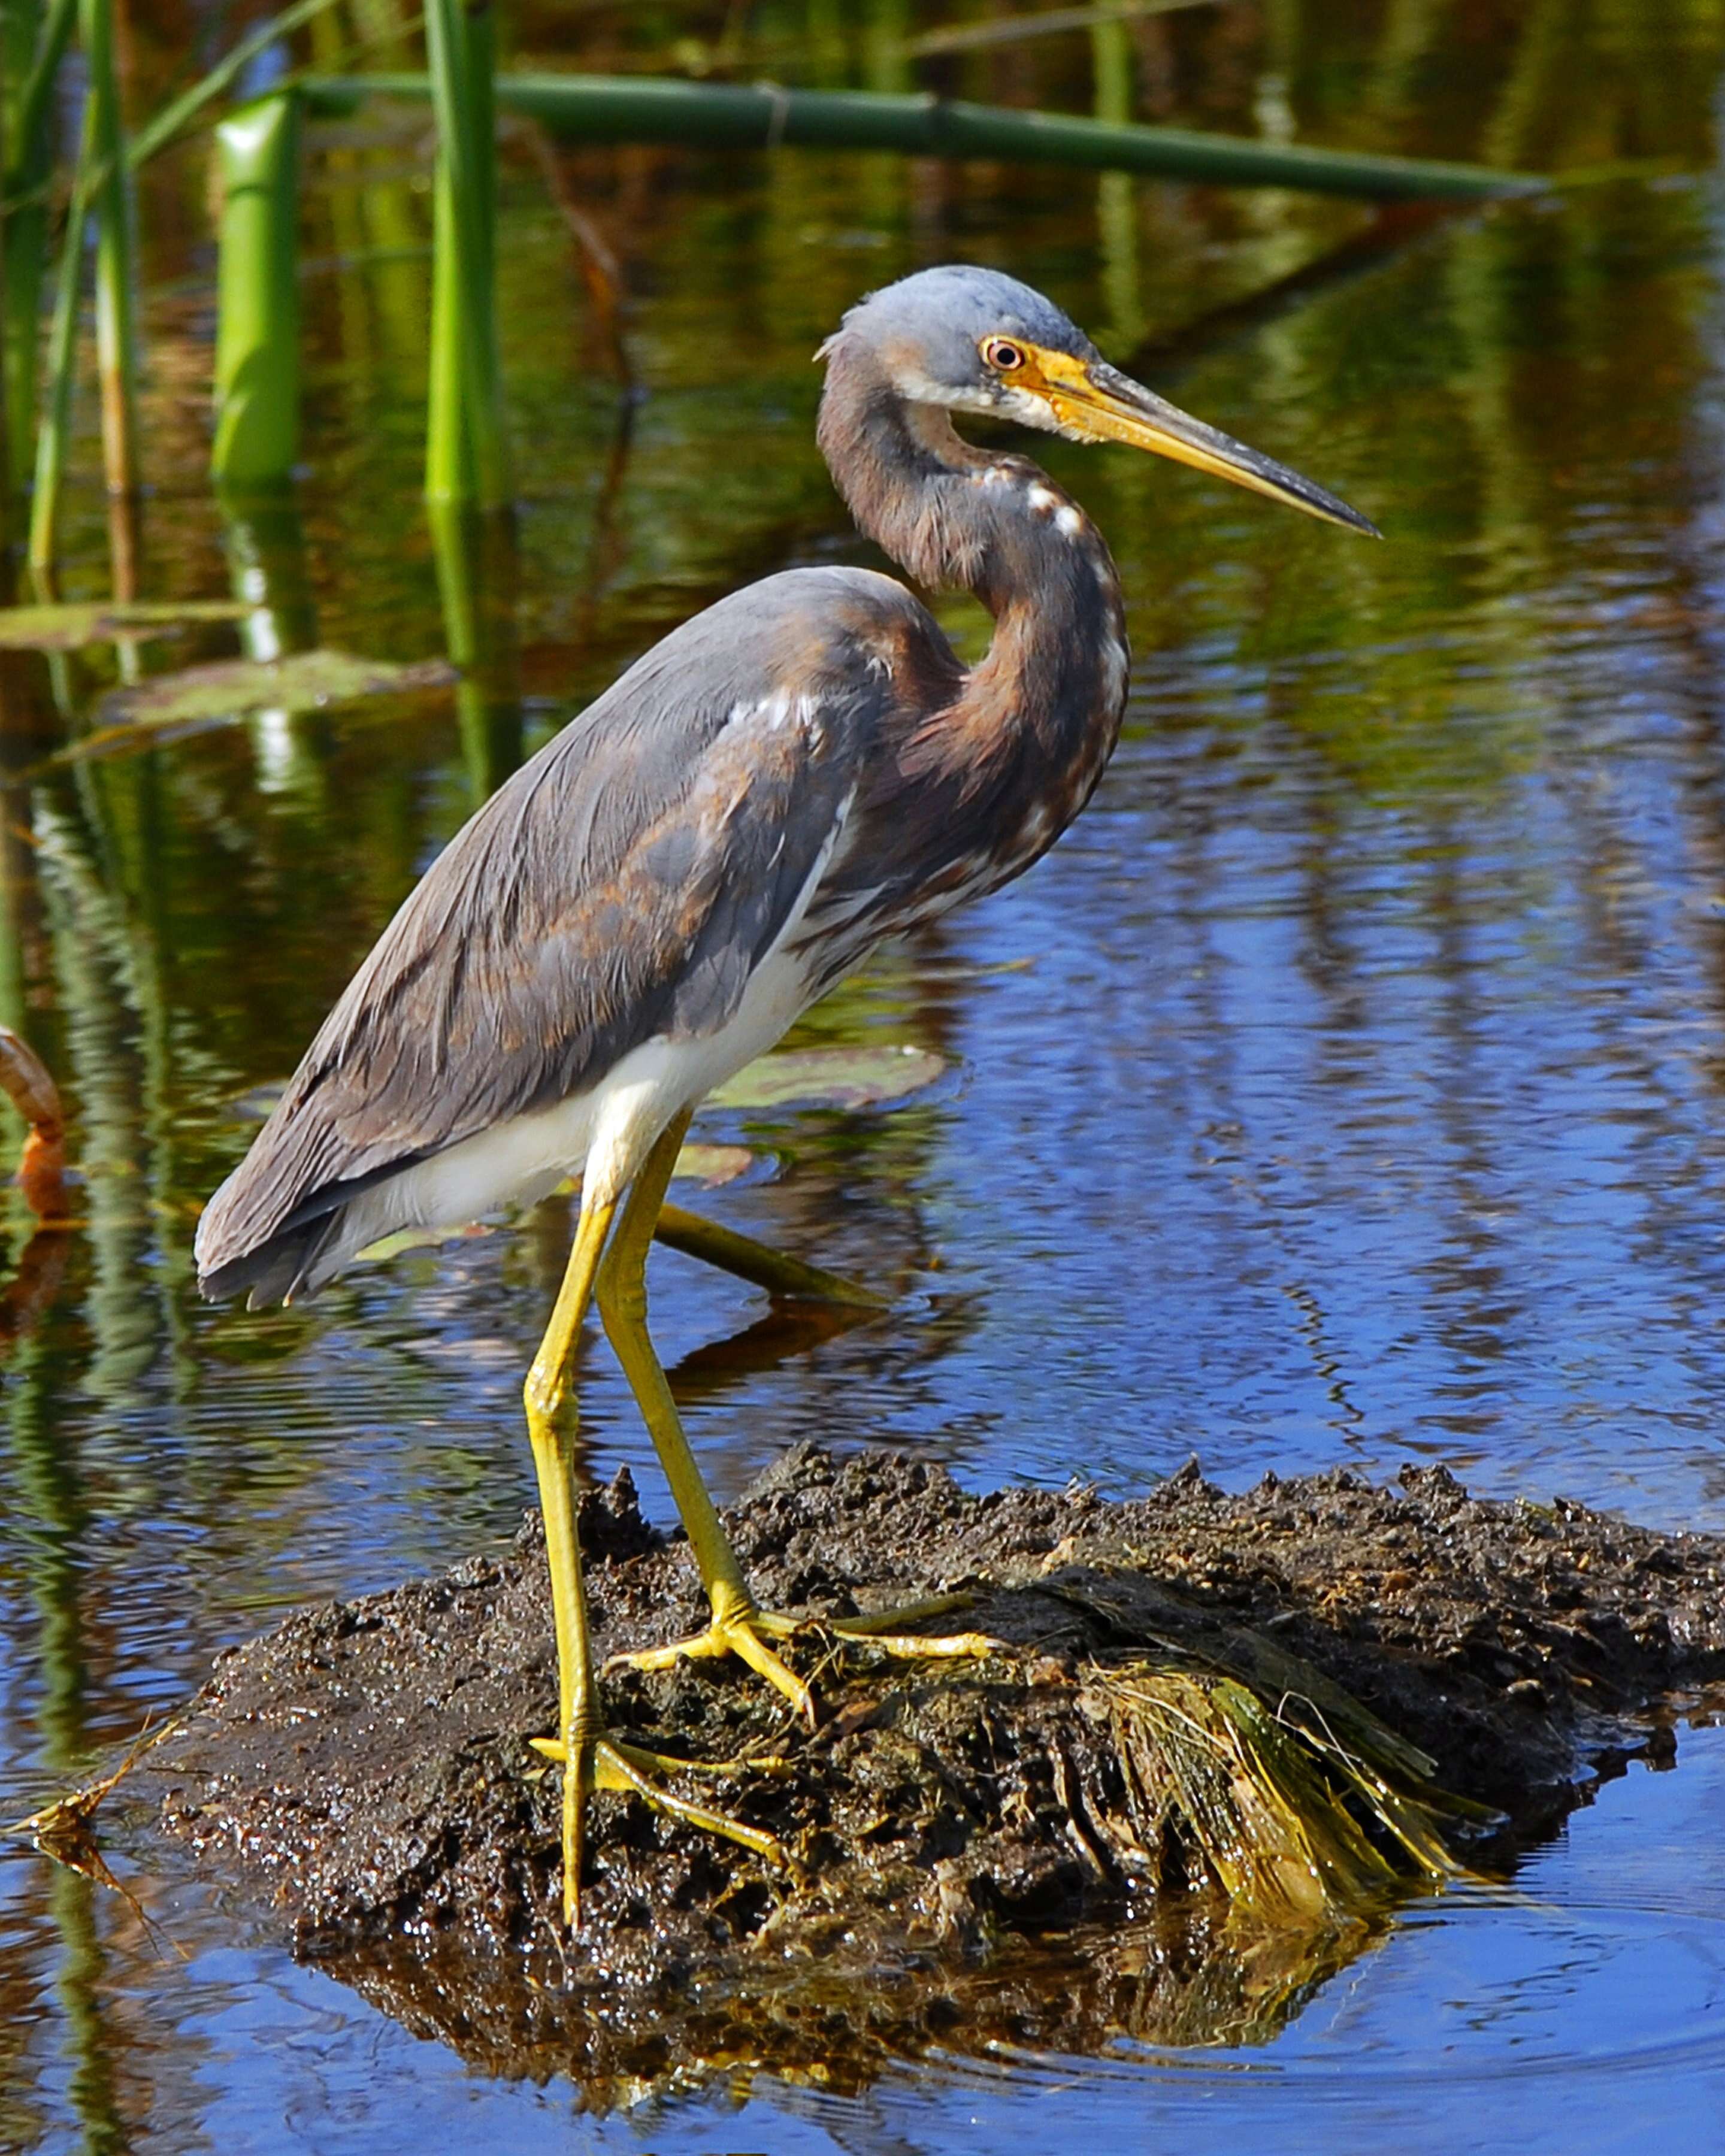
28 152
28 159
54 433
116 280
174 119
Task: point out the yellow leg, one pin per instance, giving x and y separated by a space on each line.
739 1625
591 1759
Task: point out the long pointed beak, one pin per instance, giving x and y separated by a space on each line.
1098 403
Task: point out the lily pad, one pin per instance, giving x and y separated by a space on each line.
234 689
831 1078
712 1165
71 627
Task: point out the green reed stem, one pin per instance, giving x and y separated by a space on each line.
727 116
6 460
173 119
31 134
258 295
54 434
466 452
448 455
29 156
115 312
158 131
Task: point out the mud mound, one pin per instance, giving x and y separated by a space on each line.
1076 1838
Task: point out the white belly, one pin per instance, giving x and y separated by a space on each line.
602 1134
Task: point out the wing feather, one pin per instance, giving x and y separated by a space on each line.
622 886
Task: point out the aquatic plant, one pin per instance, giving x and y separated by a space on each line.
257 398
466 451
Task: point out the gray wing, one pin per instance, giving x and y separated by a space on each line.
623 885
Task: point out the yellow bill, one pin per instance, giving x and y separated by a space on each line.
1096 403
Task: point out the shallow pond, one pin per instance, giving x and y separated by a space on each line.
1345 1087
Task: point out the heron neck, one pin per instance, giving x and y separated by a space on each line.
995 525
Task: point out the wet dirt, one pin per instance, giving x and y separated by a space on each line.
975 1868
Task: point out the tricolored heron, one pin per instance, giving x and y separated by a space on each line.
797 772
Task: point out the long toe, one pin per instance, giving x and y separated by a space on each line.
920 1646
627 1767
890 1631
606 1762
748 1637
743 1637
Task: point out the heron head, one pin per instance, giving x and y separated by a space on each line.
975 339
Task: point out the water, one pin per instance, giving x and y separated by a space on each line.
1345 1087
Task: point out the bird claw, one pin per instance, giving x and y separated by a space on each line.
745 1635
606 1762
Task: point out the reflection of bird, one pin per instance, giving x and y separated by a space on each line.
803 769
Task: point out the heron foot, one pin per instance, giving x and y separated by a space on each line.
607 1763
745 1633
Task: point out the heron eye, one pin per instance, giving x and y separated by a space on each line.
1002 355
